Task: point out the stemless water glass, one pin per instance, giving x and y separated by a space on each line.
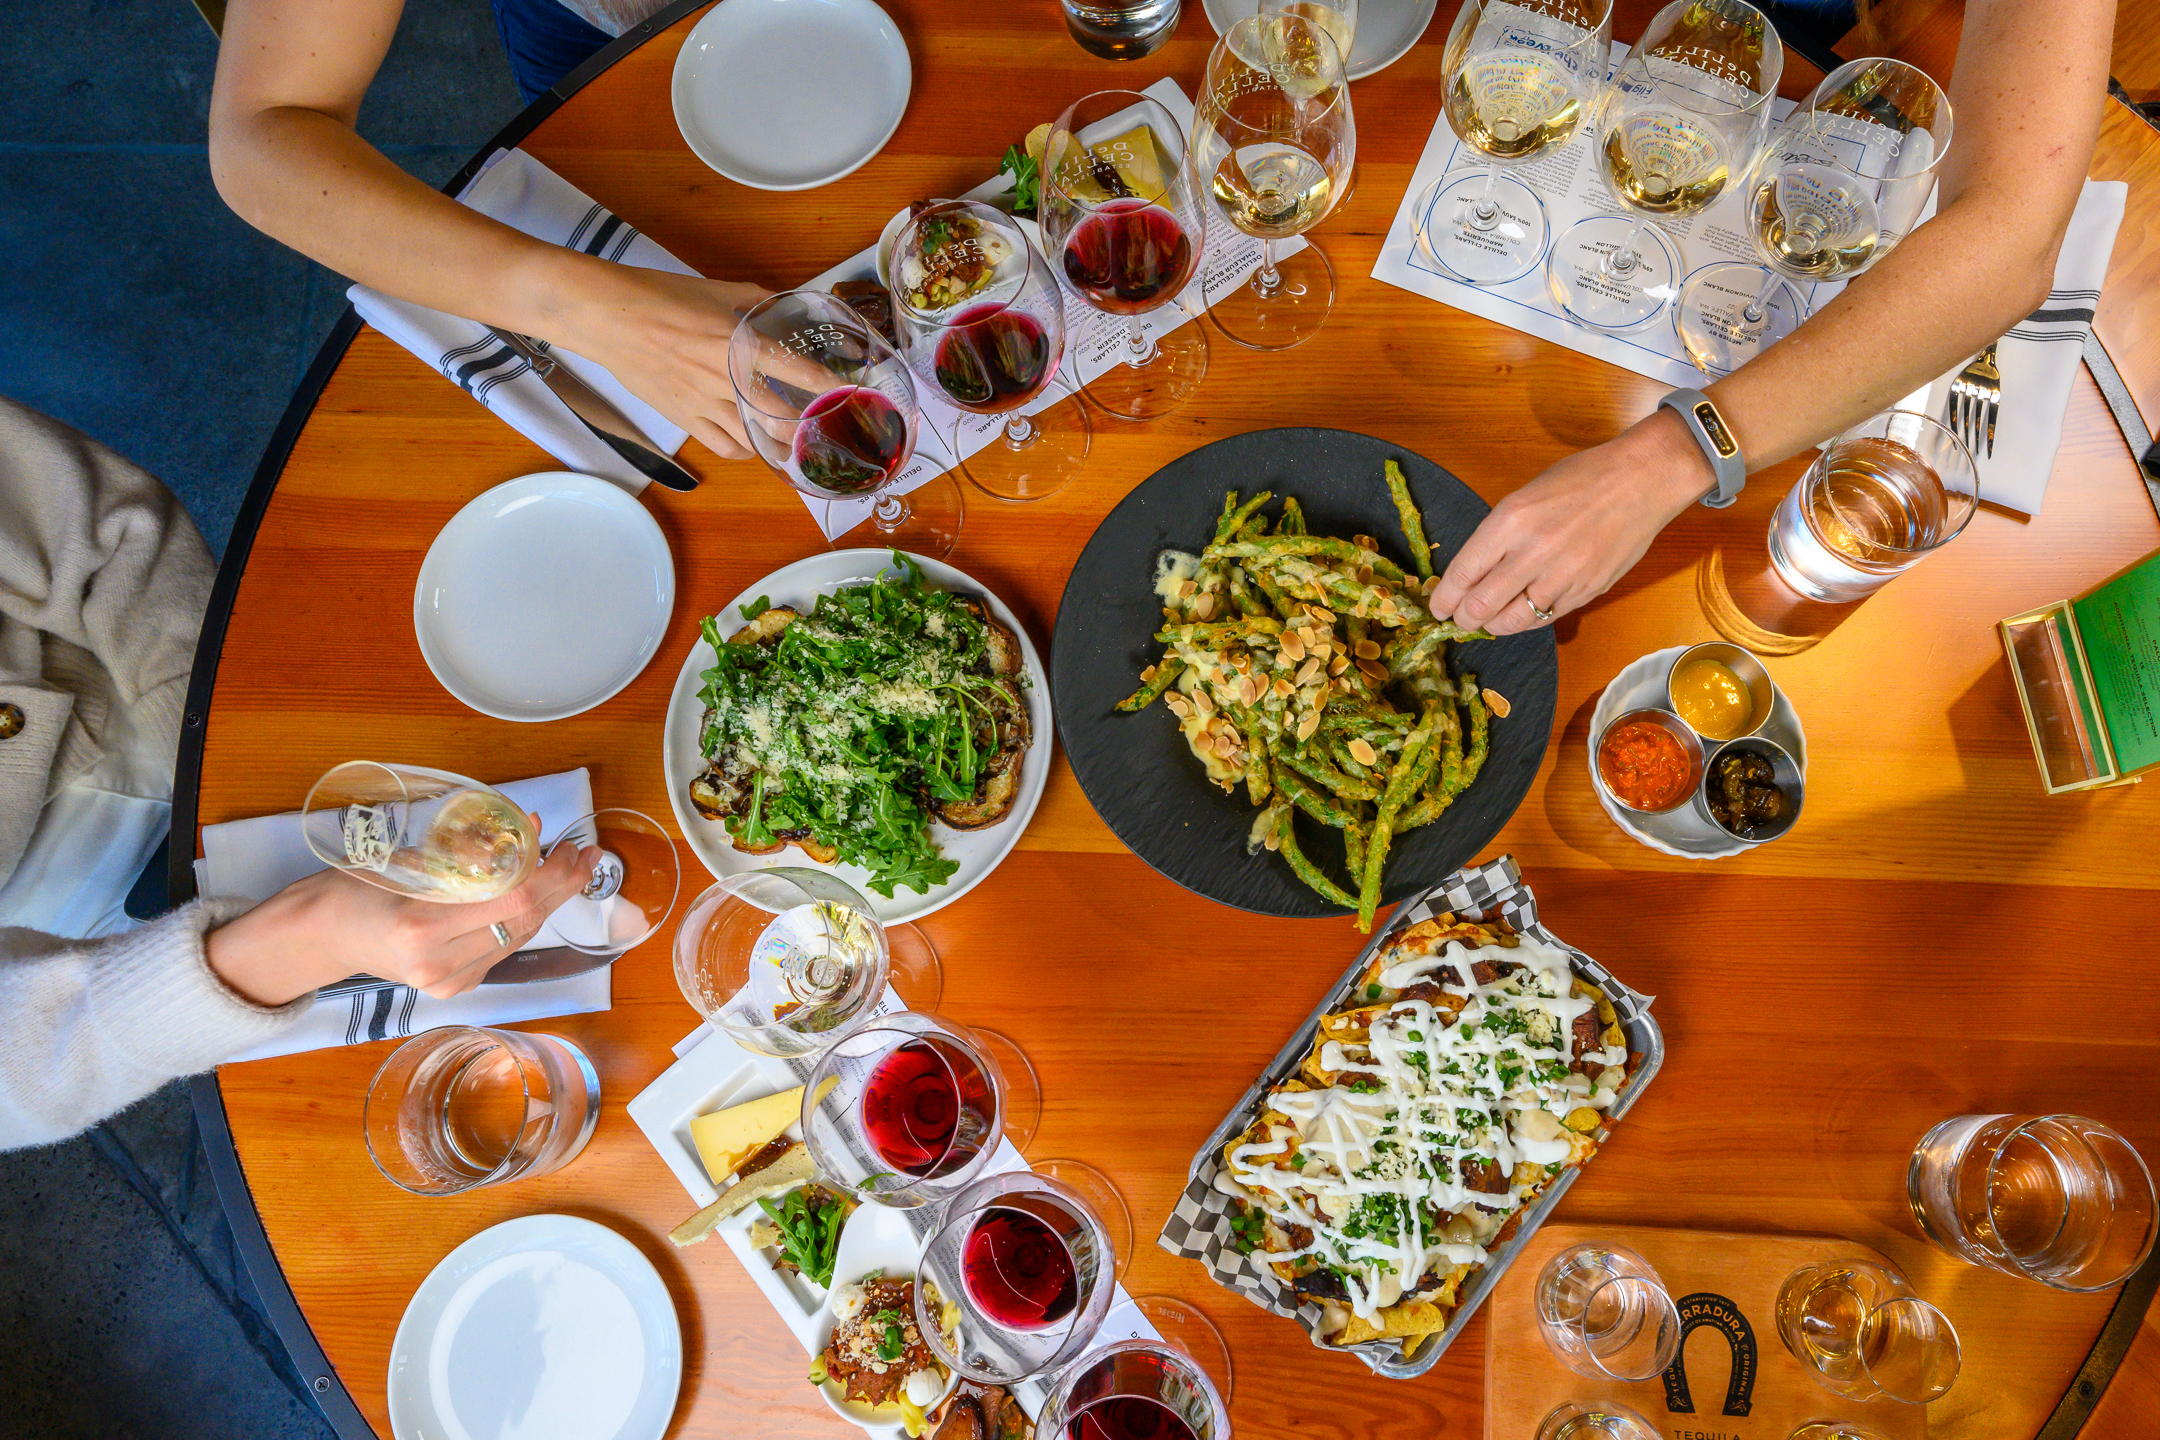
1120 29
1682 116
829 405
2055 1198
1865 1335
1274 141
982 319
787 961
459 1107
1602 1420
1134 1390
424 833
1518 75
1878 500
1029 1263
911 1109
1840 183
1606 1314
1121 211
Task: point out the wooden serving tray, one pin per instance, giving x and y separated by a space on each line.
1733 1380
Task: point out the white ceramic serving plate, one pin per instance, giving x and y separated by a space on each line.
544 597
542 1328
978 851
1386 29
791 94
1684 832
876 1239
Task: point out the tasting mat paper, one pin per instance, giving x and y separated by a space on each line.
1093 340
1567 180
1199 1223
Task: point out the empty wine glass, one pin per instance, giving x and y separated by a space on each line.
788 961
425 833
1274 140
1134 1390
1681 118
1120 209
1606 1314
828 404
982 320
1840 183
911 1108
632 887
1519 74
1865 1335
1028 1261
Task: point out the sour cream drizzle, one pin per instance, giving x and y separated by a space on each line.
1445 1092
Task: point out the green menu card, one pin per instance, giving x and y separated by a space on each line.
2088 677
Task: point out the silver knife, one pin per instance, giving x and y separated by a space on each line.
599 416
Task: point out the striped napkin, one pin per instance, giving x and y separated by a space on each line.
524 194
2039 358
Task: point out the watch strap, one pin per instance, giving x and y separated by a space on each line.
1700 414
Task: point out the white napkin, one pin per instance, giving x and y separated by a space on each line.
524 194
2039 357
254 859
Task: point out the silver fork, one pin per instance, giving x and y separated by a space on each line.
1974 400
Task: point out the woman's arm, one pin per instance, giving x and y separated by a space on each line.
2027 94
290 78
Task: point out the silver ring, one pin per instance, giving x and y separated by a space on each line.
501 932
1541 614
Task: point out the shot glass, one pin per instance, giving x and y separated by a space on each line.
1865 1335
1606 1314
1573 1420
463 1106
1836 1430
2054 1198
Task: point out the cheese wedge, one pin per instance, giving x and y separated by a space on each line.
790 1170
728 1137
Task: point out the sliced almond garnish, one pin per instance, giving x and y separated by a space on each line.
1187 587
1432 583
1293 646
1309 724
1203 702
1272 840
1309 671
1364 577
1147 674
1495 702
1248 689
1178 707
1204 607
1374 671
1368 649
1362 752
1324 615
1364 542
1340 663
1284 688
1204 743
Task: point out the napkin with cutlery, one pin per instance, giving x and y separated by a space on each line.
2039 358
254 859
525 195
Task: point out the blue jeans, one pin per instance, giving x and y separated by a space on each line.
546 41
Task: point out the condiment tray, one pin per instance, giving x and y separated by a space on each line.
1684 832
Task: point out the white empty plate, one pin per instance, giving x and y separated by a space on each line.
544 597
1386 29
543 1328
791 94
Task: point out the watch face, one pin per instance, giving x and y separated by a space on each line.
1713 425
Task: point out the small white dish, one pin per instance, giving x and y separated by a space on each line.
791 94
986 193
544 597
1684 832
546 1326
1386 29
881 1239
978 852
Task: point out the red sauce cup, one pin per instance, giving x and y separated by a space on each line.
1646 776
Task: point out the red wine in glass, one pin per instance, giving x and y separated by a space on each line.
1128 257
1018 1271
993 359
1128 1417
926 1108
850 441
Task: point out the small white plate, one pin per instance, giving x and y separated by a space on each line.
543 1328
544 597
1682 832
978 851
880 1239
1386 29
791 94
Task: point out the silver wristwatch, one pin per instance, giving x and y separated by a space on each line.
1700 413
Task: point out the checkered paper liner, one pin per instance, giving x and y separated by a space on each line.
1199 1224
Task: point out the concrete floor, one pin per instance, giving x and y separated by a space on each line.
134 306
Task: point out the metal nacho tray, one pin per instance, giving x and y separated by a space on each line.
1198 1227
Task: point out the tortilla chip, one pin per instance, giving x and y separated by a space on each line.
1410 1318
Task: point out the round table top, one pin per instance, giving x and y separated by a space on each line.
1938 935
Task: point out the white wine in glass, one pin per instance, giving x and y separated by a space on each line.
425 833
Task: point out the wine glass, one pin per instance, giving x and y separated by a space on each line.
1518 76
1339 19
425 833
911 1108
1029 1263
1120 209
1274 140
1840 183
789 961
982 320
1681 117
1134 1390
829 405
632 887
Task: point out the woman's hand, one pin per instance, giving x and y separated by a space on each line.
331 925
1566 537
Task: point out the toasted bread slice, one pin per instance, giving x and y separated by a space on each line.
1004 730
1002 648
767 627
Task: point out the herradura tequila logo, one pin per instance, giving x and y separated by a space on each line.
1716 1311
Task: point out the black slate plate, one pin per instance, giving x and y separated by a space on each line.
1136 770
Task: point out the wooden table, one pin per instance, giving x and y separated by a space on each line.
1937 936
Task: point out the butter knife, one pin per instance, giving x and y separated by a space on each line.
599 416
